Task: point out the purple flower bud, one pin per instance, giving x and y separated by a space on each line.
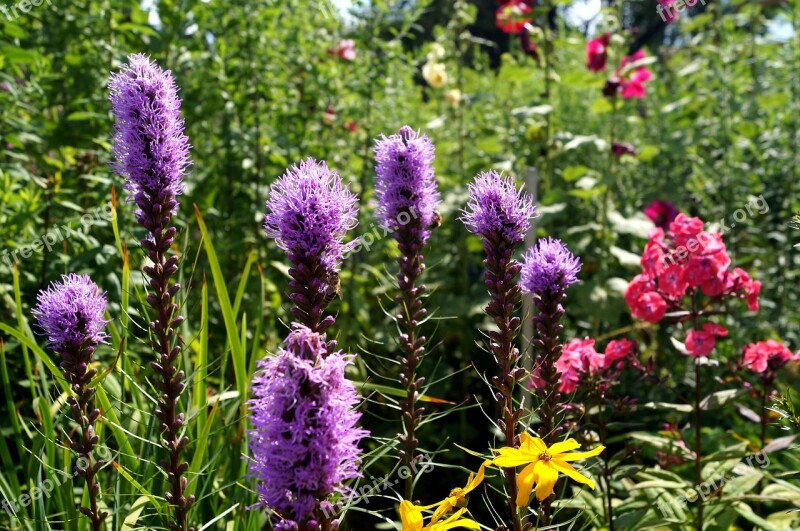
406 184
496 209
549 267
71 313
151 151
309 211
304 444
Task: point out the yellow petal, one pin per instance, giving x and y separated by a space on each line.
567 469
411 516
532 444
566 446
454 522
511 457
476 479
525 481
546 477
577 456
445 506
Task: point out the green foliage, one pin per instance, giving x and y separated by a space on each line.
717 130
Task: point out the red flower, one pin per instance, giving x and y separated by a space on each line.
346 50
672 283
616 350
633 78
620 148
597 53
702 342
576 359
662 213
699 343
767 355
512 16
528 45
686 260
650 307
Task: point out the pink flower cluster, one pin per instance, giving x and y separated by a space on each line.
632 76
683 260
580 359
629 79
769 355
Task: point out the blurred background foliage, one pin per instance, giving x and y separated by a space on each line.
263 87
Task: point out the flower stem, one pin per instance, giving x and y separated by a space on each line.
84 412
547 343
698 465
501 274
413 345
601 426
164 341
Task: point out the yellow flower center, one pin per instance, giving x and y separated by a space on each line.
545 456
460 496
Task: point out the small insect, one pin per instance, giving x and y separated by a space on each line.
333 288
436 221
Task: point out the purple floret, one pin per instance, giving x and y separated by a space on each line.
406 184
151 150
304 442
71 313
309 212
497 209
549 268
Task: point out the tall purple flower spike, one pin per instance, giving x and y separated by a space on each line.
309 212
407 200
152 154
305 437
70 314
500 214
549 269
406 185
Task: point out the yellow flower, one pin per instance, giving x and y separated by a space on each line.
543 465
458 496
412 519
434 74
453 97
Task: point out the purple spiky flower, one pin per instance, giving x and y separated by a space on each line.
305 437
497 210
70 314
500 214
309 212
150 148
549 268
406 185
152 154
407 200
